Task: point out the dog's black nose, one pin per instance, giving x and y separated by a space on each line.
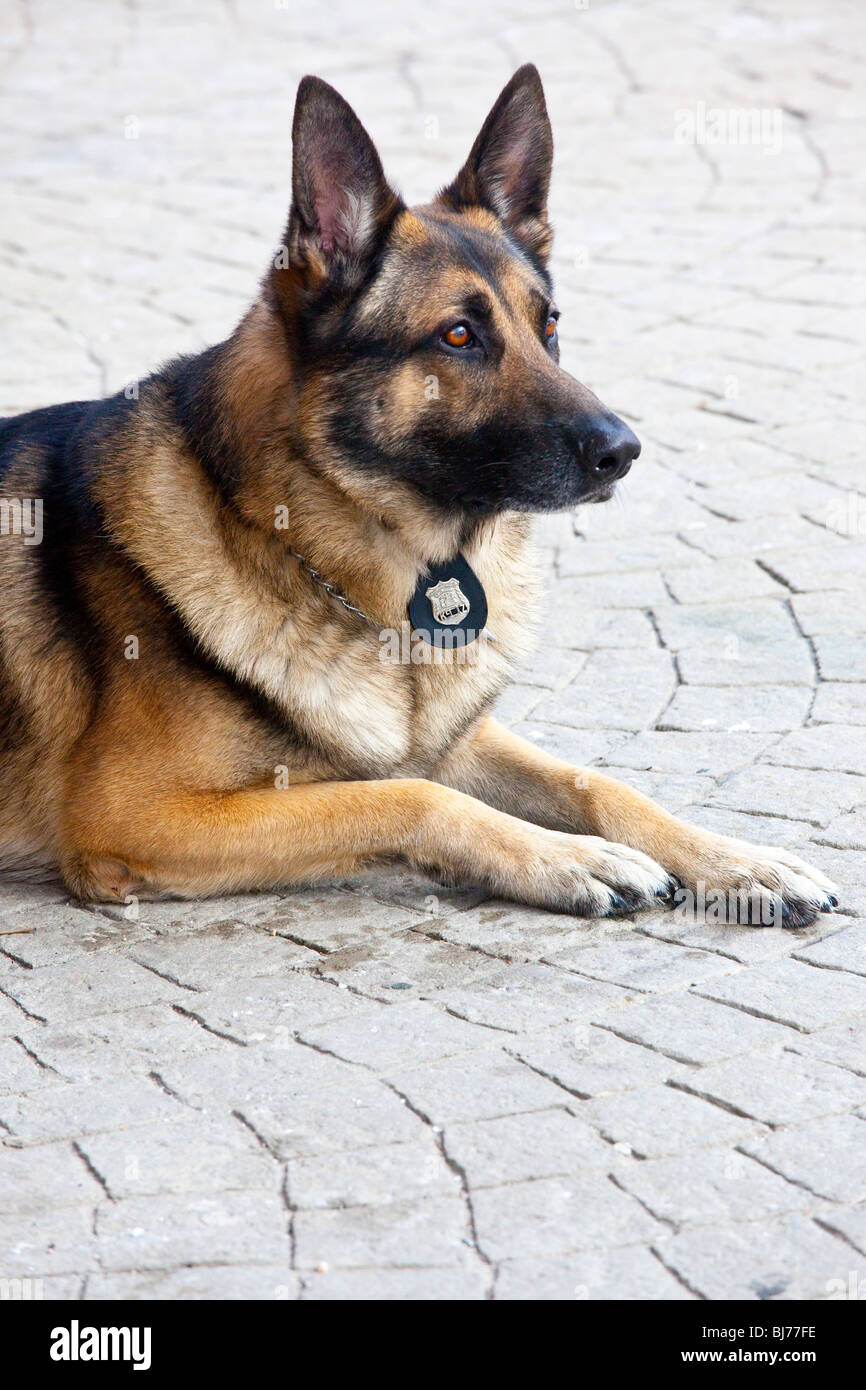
610 450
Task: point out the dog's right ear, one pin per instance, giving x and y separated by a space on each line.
342 204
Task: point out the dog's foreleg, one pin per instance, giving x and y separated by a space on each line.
200 844
758 883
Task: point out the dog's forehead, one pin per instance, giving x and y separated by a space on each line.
436 258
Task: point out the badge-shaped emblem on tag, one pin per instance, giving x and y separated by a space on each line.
448 602
449 605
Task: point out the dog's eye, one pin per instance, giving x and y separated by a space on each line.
460 335
550 328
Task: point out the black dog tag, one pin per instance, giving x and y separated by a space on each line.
449 606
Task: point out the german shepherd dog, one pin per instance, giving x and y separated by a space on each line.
193 699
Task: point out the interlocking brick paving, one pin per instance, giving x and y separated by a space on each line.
384 1088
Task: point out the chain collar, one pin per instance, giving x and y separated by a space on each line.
329 588
333 592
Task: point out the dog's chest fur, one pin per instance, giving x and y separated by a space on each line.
379 702
372 702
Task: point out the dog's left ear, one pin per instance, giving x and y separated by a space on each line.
508 170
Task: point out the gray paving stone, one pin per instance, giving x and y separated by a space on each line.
517 702
434 1232
374 1176
847 831
229 1282
843 1045
602 630
643 964
19 1072
578 746
378 1039
708 1189
423 895
46 1176
542 1218
738 633
618 590
70 1110
11 1014
521 998
753 709
551 667
38 895
744 825
839 748
692 1029
830 566
756 537
737 943
799 794
99 984
783 663
626 1275
54 933
159 1232
515 1148
778 1089
695 752
589 1061
656 1121
111 1045
224 951
840 701
850 1223
628 558
266 1009
299 1102
845 868
331 921
605 696
840 659
792 993
396 1285
514 932
844 950
477 1087
788 1259
806 1156
59 1240
825 614
676 792
189 1153
724 581
57 1287
415 966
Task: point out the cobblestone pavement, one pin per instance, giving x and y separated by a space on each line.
383 1088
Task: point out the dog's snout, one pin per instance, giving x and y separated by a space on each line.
610 451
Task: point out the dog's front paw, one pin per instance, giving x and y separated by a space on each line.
756 885
592 877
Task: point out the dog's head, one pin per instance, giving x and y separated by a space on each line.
426 339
